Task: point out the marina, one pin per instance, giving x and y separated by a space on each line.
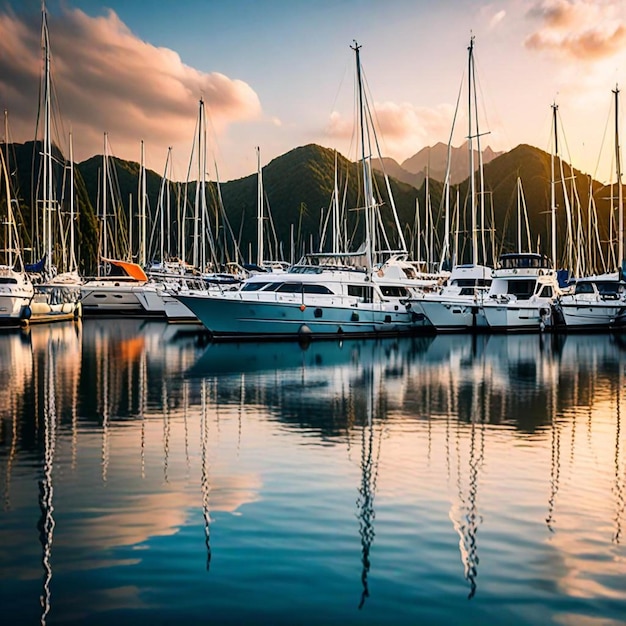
148 477
374 378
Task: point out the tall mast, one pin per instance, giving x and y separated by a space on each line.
105 192
555 153
367 191
72 264
471 155
47 145
620 191
142 209
259 210
5 170
197 263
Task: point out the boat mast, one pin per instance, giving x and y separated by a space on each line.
142 209
367 192
470 143
5 169
47 145
336 229
259 210
105 193
73 265
555 152
620 191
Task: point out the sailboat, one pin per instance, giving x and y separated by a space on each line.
16 288
158 296
262 264
324 294
112 291
525 285
599 301
56 282
457 305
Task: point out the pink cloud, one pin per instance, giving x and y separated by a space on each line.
109 80
578 29
402 128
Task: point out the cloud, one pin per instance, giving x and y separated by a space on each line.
107 79
496 19
402 129
587 30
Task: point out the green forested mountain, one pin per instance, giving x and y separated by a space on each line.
298 189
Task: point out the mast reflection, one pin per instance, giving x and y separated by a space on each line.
367 488
620 504
205 481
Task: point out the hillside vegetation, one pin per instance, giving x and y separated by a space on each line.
298 190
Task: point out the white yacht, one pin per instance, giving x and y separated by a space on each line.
114 293
522 295
457 306
597 302
322 296
16 288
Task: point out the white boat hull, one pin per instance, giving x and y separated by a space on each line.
593 314
518 316
111 298
449 315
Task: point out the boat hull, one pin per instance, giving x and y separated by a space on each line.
13 308
55 303
453 315
518 316
599 315
104 298
231 317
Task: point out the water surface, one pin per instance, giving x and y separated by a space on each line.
148 478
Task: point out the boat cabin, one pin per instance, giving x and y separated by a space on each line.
524 260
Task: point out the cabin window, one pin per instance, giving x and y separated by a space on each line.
608 289
253 286
546 292
393 291
7 281
584 288
290 288
273 286
522 289
316 289
361 291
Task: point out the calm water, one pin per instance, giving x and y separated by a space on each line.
148 479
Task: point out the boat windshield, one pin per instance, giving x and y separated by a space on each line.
516 261
521 289
608 288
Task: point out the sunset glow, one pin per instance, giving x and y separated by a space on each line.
280 75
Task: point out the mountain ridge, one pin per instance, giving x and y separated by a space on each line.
299 185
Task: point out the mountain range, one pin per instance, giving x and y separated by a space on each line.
432 162
299 186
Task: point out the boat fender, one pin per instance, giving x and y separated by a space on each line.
544 312
302 307
26 312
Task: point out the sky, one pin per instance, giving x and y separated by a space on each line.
279 74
